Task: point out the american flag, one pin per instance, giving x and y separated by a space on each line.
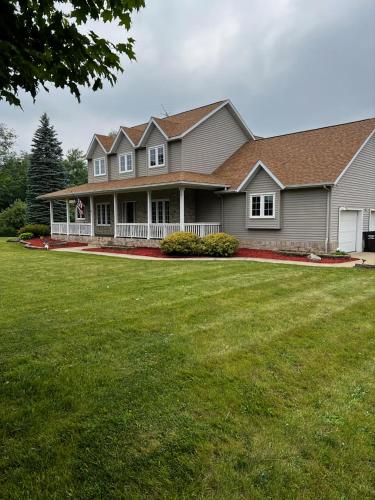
80 208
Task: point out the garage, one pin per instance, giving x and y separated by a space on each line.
350 232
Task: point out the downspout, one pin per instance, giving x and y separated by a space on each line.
328 218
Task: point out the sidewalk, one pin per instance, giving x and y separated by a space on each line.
251 259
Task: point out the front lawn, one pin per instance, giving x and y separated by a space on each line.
179 379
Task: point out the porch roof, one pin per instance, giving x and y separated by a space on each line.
188 179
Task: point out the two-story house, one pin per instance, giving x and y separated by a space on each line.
204 171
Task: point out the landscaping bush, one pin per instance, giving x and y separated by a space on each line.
26 236
7 231
180 243
36 229
219 245
14 216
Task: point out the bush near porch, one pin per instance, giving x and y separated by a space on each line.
188 379
189 244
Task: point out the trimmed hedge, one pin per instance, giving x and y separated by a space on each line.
180 243
219 245
36 229
213 245
26 236
7 231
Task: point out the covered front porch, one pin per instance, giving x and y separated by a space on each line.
144 215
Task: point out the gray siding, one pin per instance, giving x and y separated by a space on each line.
355 189
212 142
98 153
174 156
114 171
207 206
263 183
303 217
141 162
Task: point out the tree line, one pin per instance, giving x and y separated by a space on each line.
26 175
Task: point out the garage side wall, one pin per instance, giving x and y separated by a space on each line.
355 189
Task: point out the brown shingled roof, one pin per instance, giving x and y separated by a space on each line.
135 133
105 140
124 184
310 157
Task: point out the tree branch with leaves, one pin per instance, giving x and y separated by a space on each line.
42 43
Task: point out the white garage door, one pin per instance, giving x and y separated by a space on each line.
348 230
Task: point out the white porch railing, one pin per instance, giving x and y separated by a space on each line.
75 228
79 229
159 231
58 228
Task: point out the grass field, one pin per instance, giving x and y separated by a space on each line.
137 379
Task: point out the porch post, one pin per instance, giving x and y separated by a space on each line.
149 215
67 217
51 214
182 209
92 216
115 213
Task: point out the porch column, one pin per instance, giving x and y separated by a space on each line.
67 217
115 213
149 215
182 209
92 216
51 214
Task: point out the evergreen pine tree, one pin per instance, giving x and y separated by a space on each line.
45 173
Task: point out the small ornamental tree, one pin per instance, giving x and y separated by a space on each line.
45 173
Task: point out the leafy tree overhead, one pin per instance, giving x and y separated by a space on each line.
75 166
45 43
45 173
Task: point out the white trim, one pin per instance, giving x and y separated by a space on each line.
126 162
149 148
117 138
262 196
107 203
355 156
105 166
92 216
91 144
359 236
182 208
371 217
151 122
259 164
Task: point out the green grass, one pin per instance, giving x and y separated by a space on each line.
136 379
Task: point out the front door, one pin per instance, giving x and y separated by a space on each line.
128 212
160 211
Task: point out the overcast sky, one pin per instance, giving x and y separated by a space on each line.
286 65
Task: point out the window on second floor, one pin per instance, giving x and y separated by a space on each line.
125 162
156 156
262 206
99 166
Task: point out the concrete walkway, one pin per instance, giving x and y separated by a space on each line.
251 259
369 257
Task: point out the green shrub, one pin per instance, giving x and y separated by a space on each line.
180 243
7 231
36 229
14 216
26 236
219 245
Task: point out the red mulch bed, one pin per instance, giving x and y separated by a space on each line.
39 243
241 252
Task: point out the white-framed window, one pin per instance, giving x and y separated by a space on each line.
160 212
125 163
99 166
262 206
79 215
156 156
103 214
128 212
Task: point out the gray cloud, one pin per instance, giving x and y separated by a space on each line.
285 64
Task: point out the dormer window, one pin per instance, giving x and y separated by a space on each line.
262 206
99 166
156 156
125 163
